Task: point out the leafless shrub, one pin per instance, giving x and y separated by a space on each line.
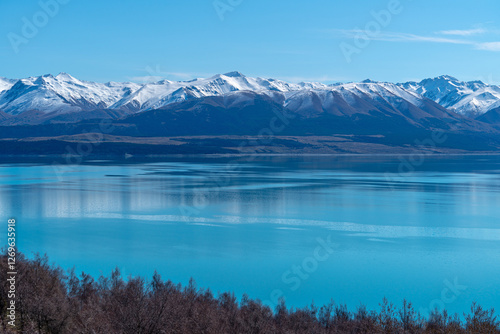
49 301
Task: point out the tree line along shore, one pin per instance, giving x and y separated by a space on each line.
50 300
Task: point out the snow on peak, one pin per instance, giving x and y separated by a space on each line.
63 93
63 76
6 84
234 74
468 98
445 78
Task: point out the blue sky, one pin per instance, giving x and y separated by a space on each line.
320 40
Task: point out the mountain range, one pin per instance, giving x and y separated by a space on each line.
349 117
63 94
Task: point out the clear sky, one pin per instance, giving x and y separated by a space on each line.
317 40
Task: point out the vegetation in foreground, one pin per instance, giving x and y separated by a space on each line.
50 301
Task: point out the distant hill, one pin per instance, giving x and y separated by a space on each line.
43 114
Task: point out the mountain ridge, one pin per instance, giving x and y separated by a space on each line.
368 117
52 96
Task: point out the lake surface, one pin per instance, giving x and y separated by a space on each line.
353 229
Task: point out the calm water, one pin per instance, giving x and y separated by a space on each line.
260 227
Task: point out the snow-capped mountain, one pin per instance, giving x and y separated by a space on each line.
471 98
64 93
365 109
158 94
6 84
61 94
351 94
52 96
213 115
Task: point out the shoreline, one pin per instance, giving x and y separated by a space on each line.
117 304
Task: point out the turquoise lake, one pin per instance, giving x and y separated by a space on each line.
354 229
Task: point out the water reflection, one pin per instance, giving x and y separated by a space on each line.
239 228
